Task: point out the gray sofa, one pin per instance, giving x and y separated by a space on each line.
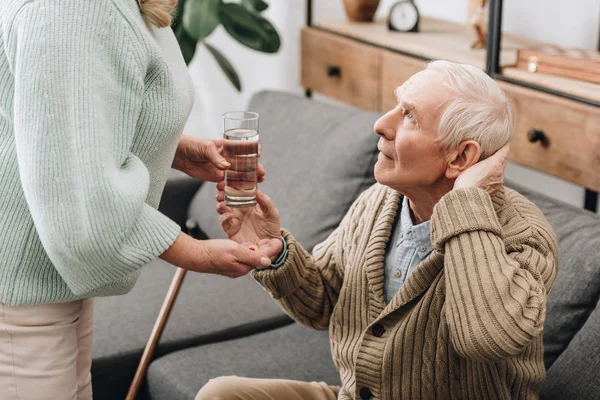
318 159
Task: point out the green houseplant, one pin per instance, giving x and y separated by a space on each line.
195 20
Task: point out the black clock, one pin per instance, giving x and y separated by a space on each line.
404 17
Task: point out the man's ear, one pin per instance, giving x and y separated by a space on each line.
467 154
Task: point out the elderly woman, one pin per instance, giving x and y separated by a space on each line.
93 100
435 283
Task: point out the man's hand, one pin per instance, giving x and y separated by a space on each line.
203 159
487 174
256 225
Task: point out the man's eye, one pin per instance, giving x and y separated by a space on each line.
410 116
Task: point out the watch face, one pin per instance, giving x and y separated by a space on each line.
404 16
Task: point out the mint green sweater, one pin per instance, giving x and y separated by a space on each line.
92 105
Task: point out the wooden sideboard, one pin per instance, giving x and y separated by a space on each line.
362 63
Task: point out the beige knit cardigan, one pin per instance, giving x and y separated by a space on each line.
466 324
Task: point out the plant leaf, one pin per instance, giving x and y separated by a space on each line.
187 44
201 17
255 5
225 66
249 28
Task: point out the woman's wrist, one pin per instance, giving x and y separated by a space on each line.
184 252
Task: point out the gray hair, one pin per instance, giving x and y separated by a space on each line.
479 109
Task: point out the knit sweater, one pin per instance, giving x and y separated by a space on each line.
92 104
466 324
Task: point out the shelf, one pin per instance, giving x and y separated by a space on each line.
450 41
586 90
437 40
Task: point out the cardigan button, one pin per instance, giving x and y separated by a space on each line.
365 393
378 330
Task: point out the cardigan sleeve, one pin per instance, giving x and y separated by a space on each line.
307 286
496 292
79 86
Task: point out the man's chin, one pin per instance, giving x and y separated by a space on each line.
380 174
386 176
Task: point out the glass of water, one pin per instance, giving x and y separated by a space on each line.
240 148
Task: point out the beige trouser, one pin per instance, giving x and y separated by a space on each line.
237 388
46 351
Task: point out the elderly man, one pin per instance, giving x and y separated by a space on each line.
435 284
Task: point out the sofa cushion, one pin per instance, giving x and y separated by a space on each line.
318 159
209 308
574 374
292 352
577 285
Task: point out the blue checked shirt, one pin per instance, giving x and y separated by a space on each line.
407 247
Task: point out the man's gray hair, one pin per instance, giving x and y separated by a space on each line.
479 110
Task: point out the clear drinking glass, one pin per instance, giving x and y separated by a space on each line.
240 148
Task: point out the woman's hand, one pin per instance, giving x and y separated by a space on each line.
256 225
221 257
228 258
487 174
203 159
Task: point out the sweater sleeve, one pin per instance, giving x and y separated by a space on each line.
79 85
496 292
307 286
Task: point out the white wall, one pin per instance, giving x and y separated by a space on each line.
563 22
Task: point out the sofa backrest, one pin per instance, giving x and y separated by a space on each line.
576 372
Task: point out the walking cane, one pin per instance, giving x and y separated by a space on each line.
161 320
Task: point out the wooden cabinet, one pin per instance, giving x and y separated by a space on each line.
568 135
355 73
341 68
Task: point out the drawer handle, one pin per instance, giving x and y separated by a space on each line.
536 135
334 70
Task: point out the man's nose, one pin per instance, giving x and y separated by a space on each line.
384 127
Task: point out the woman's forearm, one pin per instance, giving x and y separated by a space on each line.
184 252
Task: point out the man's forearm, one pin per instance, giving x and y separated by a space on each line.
302 273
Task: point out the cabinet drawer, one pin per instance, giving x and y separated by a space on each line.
341 68
395 70
571 148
